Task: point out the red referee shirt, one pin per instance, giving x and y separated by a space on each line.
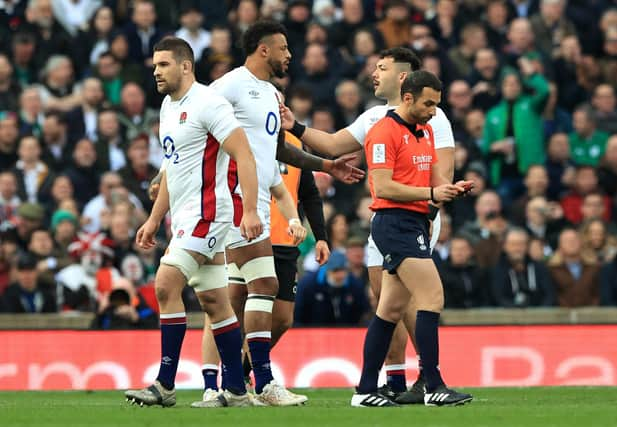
391 144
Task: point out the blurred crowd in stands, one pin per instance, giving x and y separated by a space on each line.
529 87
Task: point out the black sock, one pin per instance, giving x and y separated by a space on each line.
427 339
376 344
246 365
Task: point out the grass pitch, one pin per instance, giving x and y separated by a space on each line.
494 407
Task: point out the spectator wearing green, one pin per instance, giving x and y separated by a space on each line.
513 137
587 143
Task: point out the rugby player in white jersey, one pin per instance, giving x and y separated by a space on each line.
392 69
199 133
252 277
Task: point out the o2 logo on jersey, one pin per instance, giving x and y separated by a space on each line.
272 123
170 150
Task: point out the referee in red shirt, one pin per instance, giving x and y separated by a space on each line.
400 154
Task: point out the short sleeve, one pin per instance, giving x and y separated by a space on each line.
164 164
225 87
358 128
434 154
442 130
217 117
276 177
380 146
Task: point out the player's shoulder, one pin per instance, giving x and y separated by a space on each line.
383 127
236 75
440 120
201 93
200 89
386 122
442 130
374 113
370 117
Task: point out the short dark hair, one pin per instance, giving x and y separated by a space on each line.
26 261
180 49
583 167
58 115
418 80
108 54
322 108
301 92
402 55
107 110
586 108
220 27
515 229
256 32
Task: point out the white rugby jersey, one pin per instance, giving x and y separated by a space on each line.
442 130
256 107
192 131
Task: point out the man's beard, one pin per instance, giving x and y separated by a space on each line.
167 88
277 69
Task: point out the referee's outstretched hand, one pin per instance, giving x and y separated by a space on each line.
447 192
343 169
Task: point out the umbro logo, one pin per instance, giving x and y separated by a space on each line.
254 94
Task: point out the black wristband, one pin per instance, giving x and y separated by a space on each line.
432 212
433 196
298 129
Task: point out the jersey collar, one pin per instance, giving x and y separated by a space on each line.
413 128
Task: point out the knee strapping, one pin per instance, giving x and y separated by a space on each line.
209 277
234 275
259 302
182 260
258 268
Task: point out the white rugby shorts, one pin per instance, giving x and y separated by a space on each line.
235 239
206 238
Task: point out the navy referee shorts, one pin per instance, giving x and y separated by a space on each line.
400 234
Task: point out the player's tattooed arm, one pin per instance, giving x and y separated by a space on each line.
339 168
153 188
293 156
